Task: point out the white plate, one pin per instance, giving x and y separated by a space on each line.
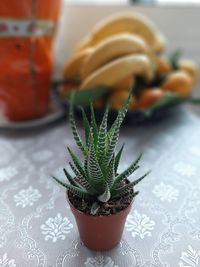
56 112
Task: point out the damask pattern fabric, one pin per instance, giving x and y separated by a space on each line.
162 230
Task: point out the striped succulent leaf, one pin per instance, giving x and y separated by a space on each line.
118 157
94 170
82 179
74 189
94 125
102 137
77 163
133 167
121 191
121 114
112 144
111 172
75 133
71 180
97 177
86 126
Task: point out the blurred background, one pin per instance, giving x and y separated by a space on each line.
177 19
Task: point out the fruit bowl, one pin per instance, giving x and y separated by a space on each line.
124 51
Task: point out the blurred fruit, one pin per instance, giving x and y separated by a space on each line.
115 71
99 103
73 67
163 66
126 84
117 99
191 68
147 98
179 82
112 48
132 23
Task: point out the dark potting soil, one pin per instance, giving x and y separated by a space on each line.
111 207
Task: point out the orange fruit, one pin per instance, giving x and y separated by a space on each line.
163 65
179 82
148 97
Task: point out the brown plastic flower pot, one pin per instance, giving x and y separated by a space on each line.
100 232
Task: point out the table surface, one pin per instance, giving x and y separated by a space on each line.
163 228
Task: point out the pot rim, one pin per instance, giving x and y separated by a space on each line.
93 216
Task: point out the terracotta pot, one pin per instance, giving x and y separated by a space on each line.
100 232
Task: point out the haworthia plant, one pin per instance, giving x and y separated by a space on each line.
96 177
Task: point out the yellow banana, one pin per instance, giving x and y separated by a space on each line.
72 68
111 48
118 69
132 23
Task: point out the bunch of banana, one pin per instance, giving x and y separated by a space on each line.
132 23
118 50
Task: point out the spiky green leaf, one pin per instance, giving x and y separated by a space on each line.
71 180
94 170
85 182
75 133
133 167
102 137
141 178
121 114
86 126
121 191
111 172
77 163
111 144
76 190
94 125
118 157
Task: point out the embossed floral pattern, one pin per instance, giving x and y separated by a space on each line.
56 228
27 197
190 258
139 225
6 262
100 261
165 192
184 169
7 173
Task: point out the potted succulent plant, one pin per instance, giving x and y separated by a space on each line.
100 198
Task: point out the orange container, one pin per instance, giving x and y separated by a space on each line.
27 29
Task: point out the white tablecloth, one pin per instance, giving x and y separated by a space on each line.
163 228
